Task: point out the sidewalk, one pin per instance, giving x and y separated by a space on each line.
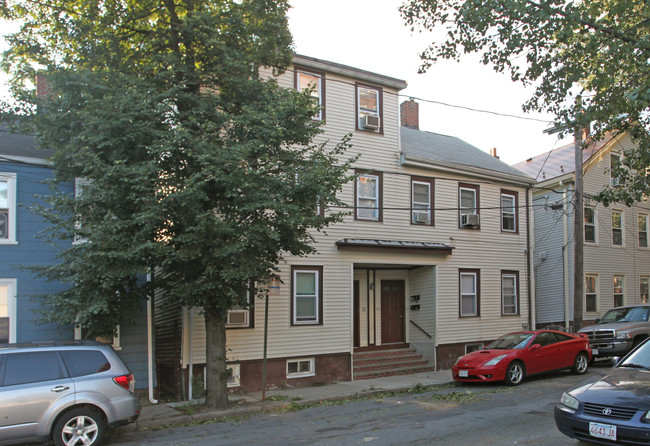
160 415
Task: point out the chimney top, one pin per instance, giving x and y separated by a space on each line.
493 152
410 114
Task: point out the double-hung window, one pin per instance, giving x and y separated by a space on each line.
617 228
468 200
315 82
7 311
614 164
643 289
241 315
7 208
508 211
368 196
619 291
469 292
591 293
369 108
643 230
307 295
422 200
509 293
590 224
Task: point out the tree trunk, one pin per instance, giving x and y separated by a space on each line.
215 368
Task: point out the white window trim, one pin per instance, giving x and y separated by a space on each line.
10 178
246 311
647 279
516 297
596 292
595 225
12 293
623 287
115 343
504 213
375 210
475 293
319 89
647 231
236 375
622 228
427 205
366 111
312 368
318 297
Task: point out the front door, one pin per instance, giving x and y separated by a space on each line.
357 324
392 311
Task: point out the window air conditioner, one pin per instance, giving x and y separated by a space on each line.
237 317
615 182
420 217
470 219
370 122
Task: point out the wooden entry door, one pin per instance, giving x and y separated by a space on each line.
392 312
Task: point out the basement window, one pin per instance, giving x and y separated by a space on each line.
469 348
233 375
299 368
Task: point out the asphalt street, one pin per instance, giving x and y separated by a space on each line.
452 415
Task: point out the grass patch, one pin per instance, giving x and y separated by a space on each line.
277 398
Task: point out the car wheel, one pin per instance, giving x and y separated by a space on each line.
581 364
79 427
515 373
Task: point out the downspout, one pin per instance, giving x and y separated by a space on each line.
530 253
150 345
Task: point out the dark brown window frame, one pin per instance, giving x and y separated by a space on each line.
514 194
251 310
517 291
380 194
462 271
380 105
319 320
477 189
321 74
431 182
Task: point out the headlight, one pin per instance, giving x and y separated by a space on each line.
569 401
622 336
495 361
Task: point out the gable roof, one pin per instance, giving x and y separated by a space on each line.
560 161
454 153
16 145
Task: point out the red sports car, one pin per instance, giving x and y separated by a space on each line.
516 355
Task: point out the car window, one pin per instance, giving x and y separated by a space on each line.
640 357
22 368
513 340
632 314
544 339
85 362
560 337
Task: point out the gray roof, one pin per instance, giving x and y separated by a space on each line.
454 152
558 162
18 145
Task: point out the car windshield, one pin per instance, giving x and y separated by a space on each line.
640 358
632 314
512 340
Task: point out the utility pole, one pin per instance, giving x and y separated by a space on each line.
578 268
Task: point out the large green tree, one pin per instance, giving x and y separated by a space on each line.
598 49
196 163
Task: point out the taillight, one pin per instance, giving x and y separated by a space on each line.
127 382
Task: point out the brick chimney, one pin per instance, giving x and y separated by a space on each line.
42 87
493 152
410 114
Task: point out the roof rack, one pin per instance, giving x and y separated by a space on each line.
35 344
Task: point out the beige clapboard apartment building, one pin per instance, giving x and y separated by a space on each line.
434 257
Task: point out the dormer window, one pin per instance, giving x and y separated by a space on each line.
369 104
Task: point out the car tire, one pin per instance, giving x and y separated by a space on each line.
581 364
79 427
515 373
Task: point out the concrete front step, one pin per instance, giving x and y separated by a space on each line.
393 372
380 354
386 359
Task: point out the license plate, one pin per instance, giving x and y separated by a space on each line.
606 431
463 373
594 351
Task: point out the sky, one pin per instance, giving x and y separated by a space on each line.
371 35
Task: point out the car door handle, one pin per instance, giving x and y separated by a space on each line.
59 388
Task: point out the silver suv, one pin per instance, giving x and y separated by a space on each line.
619 330
66 392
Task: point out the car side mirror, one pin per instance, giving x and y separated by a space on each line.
535 346
615 360
597 320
